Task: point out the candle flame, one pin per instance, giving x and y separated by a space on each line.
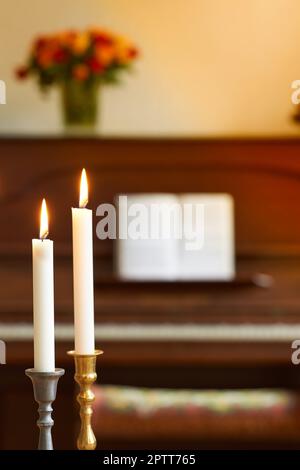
84 192
44 230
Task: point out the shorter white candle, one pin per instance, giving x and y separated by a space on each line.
82 222
43 298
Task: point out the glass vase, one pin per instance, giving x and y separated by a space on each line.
80 105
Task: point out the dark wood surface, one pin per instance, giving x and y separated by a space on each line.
264 178
241 301
262 175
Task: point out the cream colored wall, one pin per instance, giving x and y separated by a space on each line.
209 67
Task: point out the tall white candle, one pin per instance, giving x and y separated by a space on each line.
43 298
82 223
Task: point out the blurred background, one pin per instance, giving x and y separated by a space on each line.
164 101
206 68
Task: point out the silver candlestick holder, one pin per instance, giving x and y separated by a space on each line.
44 388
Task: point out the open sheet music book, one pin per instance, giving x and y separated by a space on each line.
198 246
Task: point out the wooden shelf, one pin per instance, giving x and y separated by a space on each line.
241 280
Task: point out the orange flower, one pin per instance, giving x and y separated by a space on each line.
45 58
101 35
81 72
105 54
81 43
124 51
67 38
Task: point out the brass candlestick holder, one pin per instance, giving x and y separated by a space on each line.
44 388
85 376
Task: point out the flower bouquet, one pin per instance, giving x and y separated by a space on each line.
79 63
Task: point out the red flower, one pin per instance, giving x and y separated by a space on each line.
133 52
22 73
60 56
40 43
102 39
95 66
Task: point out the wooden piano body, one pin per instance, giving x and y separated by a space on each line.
245 328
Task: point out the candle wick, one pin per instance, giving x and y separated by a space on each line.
83 204
44 236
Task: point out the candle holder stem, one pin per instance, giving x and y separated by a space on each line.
85 376
44 388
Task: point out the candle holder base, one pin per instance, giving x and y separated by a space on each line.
44 388
85 376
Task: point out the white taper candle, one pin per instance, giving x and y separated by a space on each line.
43 298
83 285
